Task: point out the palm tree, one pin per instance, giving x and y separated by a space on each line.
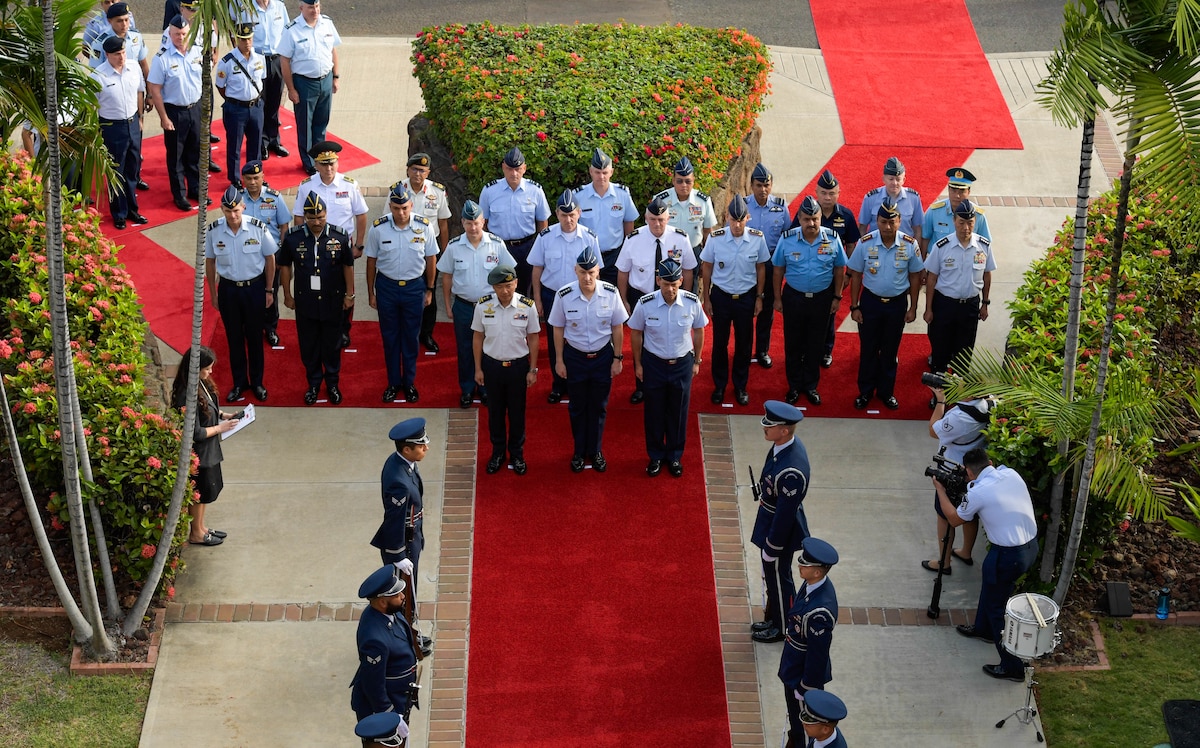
1142 54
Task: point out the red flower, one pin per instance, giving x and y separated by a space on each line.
541 135
148 551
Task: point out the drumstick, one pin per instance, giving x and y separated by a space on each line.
1037 612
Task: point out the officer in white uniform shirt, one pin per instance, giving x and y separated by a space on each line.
958 282
607 209
691 210
122 93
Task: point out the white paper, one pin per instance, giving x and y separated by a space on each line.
246 419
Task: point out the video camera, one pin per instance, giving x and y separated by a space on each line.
936 381
951 475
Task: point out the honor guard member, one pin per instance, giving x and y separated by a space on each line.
346 207
506 347
690 210
780 525
401 537
884 287
430 201
239 257
98 25
382 730
267 205
308 63
515 209
118 21
465 266
269 18
318 257
639 257
122 93
386 680
553 262
666 334
819 715
587 318
838 217
768 214
906 199
400 275
608 210
733 265
812 261
240 76
939 219
804 665
174 85
957 284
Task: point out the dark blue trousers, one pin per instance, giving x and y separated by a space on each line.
520 252
780 588
738 313
879 342
766 318
1002 567
241 121
463 335
399 309
183 151
590 382
668 388
272 96
805 320
319 350
952 332
243 309
558 384
312 112
123 139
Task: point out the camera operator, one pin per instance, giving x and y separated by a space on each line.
999 497
959 429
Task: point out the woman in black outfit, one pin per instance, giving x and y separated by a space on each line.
210 424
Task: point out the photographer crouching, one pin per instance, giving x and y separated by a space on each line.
999 498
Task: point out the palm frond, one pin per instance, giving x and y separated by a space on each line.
1183 528
1119 482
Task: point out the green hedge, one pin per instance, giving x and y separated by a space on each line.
646 95
133 449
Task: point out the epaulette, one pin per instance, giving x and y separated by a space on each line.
300 228
582 187
755 232
293 23
867 237
272 191
979 209
228 56
679 231
494 181
943 241
907 238
562 291
608 286
647 297
160 50
873 192
256 222
486 233
483 299
792 232
593 233
937 204
439 185
631 234
689 295
535 184
380 220
420 219
701 195
525 301
348 179
311 178
544 231
213 225
776 200
718 232
663 195
619 186
914 192
985 241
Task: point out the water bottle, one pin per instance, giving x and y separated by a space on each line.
1164 604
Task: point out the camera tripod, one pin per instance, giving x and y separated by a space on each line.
934 610
1026 714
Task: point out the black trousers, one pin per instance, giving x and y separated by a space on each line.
805 318
271 319
123 140
632 297
272 95
558 384
519 249
668 388
243 310
879 341
183 151
766 318
505 384
738 313
319 349
589 377
952 332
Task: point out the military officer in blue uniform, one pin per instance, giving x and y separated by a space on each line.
515 209
906 199
958 282
240 77
465 266
432 203
607 209
318 256
386 679
98 24
819 715
768 214
838 217
553 262
812 261
400 272
270 17
118 21
690 210
780 525
733 267
666 333
119 106
267 205
505 345
401 536
939 218
884 287
239 257
308 64
382 730
174 86
588 318
805 665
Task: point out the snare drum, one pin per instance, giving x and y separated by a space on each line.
1024 636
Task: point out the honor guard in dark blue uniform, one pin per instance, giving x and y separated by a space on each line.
465 266
840 219
240 78
733 264
805 665
666 332
906 199
400 272
239 257
958 282
267 205
386 680
819 715
553 261
780 525
308 63
382 730
812 261
515 209
318 257
430 201
174 86
269 18
768 214
401 537
690 210
506 330
122 92
884 287
607 209
588 319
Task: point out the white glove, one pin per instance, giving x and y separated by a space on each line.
404 566
768 557
402 728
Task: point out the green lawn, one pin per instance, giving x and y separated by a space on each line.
42 705
1122 707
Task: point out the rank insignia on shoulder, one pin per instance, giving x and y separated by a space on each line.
631 234
755 232
690 295
380 220
909 239
719 232
937 204
912 192
646 298
494 182
680 231
943 241
214 224
272 191
298 229
663 195
775 200
562 291
348 180
701 195
420 219
874 191
585 228
485 299
524 301
985 241
256 222
544 231
867 237
439 185
619 186
608 286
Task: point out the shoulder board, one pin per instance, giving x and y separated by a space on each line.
912 191
486 234
486 298
608 286
776 200
228 56
585 228
701 195
582 187
646 298
564 290
256 222
348 179
979 209
535 184
755 232
690 295
663 195
160 52
874 191
439 185
297 229
619 186
494 181
293 23
215 223
272 191
937 204
719 232
631 234
943 241
380 220
985 241
420 219
680 231
544 231
868 237
793 232
314 176
907 238
524 300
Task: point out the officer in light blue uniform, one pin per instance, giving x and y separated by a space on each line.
515 209
838 217
553 261
588 318
118 21
812 261
308 62
98 25
267 205
239 256
939 219
240 78
906 199
884 287
400 272
385 729
174 86
269 18
666 333
768 214
386 679
805 666
958 281
607 209
733 265
819 715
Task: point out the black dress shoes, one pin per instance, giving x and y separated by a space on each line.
718 397
742 397
138 218
827 361
891 403
554 397
494 464
767 635
214 167
464 401
345 341
653 468
260 393
576 464
813 397
998 671
272 338
675 468
972 633
860 402
213 138
279 150
519 466
335 395
637 397
142 185
119 224
430 344
389 395
599 464
310 396
183 204
234 395
792 397
483 398
764 360
410 394
761 625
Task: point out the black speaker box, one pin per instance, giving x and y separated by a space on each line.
1115 600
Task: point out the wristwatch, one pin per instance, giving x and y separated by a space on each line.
985 302
619 356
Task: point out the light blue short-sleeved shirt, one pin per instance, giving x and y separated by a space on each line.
555 251
885 269
241 256
771 219
960 269
513 214
310 48
178 73
735 259
588 323
808 267
908 202
469 266
400 252
606 215
667 328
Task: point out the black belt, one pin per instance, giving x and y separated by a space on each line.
808 294
267 56
184 107
400 283
242 284
247 104
591 354
310 78
125 121
672 361
610 251
734 296
509 362
886 299
515 242
464 300
972 300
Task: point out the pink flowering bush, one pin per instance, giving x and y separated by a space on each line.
132 448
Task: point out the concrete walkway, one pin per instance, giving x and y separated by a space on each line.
259 647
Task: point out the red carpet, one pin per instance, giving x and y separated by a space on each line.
603 630
164 285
